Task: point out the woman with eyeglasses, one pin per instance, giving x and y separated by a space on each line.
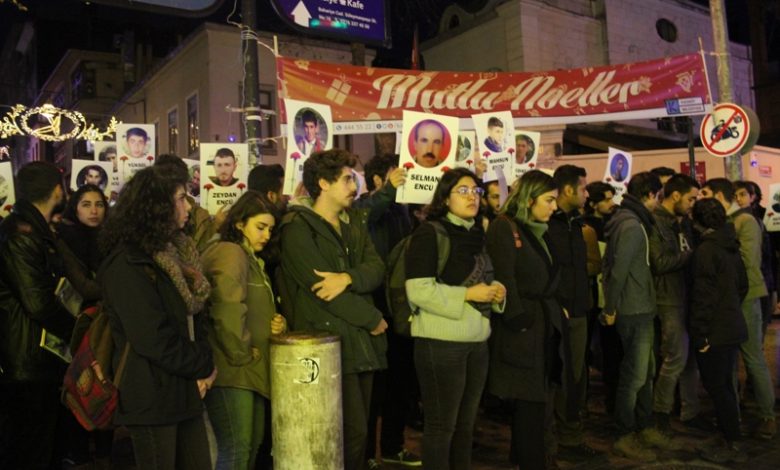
524 359
453 299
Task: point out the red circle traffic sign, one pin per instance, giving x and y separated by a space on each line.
725 131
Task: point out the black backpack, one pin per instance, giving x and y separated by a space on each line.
401 310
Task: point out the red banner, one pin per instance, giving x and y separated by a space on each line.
657 88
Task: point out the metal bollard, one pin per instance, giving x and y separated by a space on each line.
306 401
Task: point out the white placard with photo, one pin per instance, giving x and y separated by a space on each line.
618 172
527 151
89 172
309 127
496 137
772 215
105 151
7 194
135 147
466 150
223 174
428 146
193 183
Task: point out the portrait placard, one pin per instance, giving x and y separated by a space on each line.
772 214
7 194
105 151
310 130
527 150
466 150
618 172
427 151
135 147
496 137
90 172
223 174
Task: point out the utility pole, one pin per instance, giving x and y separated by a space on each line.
251 101
733 163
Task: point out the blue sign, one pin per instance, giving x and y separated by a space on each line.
352 20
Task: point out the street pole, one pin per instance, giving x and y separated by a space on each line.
733 163
251 101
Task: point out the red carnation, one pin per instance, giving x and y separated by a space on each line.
408 165
295 155
511 151
469 162
8 208
531 165
609 179
445 169
486 153
241 186
123 158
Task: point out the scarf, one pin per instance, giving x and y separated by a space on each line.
181 261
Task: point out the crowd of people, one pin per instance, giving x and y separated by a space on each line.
512 302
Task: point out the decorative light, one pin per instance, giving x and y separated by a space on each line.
15 122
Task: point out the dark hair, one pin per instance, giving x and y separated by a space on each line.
661 171
144 213
597 192
71 209
250 204
97 168
438 206
643 184
36 181
173 162
379 165
756 192
265 178
325 165
138 132
526 138
103 155
225 152
746 185
495 122
709 213
568 175
427 122
680 183
309 116
529 187
723 186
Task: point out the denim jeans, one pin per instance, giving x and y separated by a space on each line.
753 356
452 376
237 416
183 445
678 364
634 398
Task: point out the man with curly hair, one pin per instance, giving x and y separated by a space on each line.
330 269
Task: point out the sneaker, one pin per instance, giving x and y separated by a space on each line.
767 429
578 453
629 446
724 453
700 424
373 464
404 458
652 437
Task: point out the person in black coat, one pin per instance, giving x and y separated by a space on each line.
30 268
717 326
153 292
524 357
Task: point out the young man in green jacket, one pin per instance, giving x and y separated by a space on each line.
330 269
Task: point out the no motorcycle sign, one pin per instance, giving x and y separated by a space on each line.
725 132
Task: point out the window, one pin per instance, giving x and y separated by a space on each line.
173 130
666 30
268 124
193 126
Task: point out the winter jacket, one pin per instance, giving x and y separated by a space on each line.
240 311
719 285
310 243
567 246
440 300
388 222
628 283
669 257
30 268
145 308
523 346
750 239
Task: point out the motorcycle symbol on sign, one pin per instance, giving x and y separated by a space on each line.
730 133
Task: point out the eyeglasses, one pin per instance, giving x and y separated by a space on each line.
465 191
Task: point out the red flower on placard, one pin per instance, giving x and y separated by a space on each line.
486 153
150 159
241 186
445 169
408 165
469 162
295 155
531 165
208 187
511 151
609 179
770 214
8 207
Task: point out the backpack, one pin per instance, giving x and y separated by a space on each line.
401 310
88 390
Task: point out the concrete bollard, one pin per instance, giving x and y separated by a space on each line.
306 401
